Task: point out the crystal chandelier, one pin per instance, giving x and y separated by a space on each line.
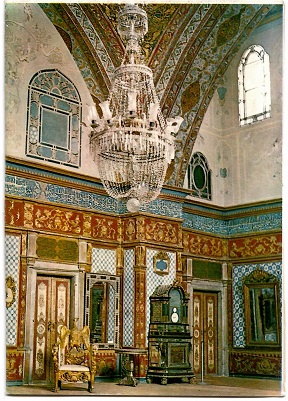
132 144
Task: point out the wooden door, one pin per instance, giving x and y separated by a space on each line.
51 310
205 323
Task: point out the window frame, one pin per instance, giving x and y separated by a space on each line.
205 192
247 116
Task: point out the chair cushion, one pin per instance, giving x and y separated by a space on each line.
74 368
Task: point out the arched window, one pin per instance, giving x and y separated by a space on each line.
199 176
254 85
53 119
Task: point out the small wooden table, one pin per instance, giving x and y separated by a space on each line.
129 379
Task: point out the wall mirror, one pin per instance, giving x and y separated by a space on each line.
102 294
261 303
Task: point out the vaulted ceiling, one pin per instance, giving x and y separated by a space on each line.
188 47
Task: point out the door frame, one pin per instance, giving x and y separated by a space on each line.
219 287
76 276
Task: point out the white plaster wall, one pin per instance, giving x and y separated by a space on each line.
32 44
252 153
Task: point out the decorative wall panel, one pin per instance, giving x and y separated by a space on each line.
255 363
56 248
35 189
249 224
222 223
105 362
60 220
143 228
206 224
128 298
268 245
201 245
14 365
57 220
163 207
153 279
103 227
14 215
103 260
238 272
12 267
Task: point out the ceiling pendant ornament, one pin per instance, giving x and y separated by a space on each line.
132 144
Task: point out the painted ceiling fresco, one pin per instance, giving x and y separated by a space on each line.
188 47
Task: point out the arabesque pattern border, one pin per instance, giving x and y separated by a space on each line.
222 223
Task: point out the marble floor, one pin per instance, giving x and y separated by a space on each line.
210 387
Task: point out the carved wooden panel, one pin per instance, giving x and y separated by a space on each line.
257 363
205 330
51 310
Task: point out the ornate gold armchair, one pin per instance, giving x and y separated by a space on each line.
73 357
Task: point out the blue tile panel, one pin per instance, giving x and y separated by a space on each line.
128 298
262 222
105 259
55 193
239 271
12 261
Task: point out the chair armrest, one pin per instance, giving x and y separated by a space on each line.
93 353
55 356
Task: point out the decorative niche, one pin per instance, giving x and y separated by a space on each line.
102 308
161 263
261 303
53 119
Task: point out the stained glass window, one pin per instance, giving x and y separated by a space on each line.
199 177
254 85
53 119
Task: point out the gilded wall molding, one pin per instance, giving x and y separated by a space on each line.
155 230
159 231
14 364
10 291
204 246
255 247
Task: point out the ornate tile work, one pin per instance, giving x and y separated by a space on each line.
260 222
35 189
56 193
93 37
163 208
153 279
111 316
12 260
128 298
206 224
103 259
239 271
22 187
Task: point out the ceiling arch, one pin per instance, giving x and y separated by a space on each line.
188 47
